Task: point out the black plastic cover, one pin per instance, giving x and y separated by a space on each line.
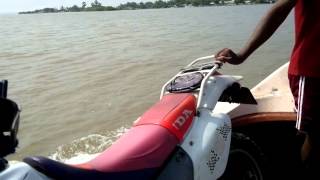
237 94
9 122
179 166
3 88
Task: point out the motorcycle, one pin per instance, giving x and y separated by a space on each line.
182 136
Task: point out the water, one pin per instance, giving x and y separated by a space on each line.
83 78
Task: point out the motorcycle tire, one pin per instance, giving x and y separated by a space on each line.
246 160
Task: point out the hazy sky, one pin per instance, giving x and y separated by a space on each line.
7 6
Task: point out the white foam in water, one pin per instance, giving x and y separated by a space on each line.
80 158
86 148
13 162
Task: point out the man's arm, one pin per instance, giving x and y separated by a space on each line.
264 30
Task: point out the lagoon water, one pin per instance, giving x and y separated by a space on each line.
81 79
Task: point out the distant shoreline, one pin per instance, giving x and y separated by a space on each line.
159 4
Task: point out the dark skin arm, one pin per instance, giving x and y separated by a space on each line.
264 30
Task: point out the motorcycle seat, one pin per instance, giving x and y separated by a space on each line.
140 153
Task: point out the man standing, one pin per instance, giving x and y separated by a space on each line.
304 68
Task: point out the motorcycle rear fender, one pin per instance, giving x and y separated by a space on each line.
213 89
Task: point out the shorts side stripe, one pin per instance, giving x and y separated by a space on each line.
300 101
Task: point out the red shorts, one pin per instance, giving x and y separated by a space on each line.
306 93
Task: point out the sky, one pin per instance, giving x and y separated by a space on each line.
12 6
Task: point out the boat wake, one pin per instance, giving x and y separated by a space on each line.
85 148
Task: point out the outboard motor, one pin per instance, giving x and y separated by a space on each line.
9 124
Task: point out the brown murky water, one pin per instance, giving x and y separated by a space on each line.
81 79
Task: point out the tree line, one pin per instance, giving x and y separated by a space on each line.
97 6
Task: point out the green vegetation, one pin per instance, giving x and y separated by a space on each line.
97 6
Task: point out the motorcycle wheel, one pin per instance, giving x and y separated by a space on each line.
246 161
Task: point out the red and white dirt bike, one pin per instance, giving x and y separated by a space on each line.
185 135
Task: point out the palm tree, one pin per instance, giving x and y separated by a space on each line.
84 4
96 3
